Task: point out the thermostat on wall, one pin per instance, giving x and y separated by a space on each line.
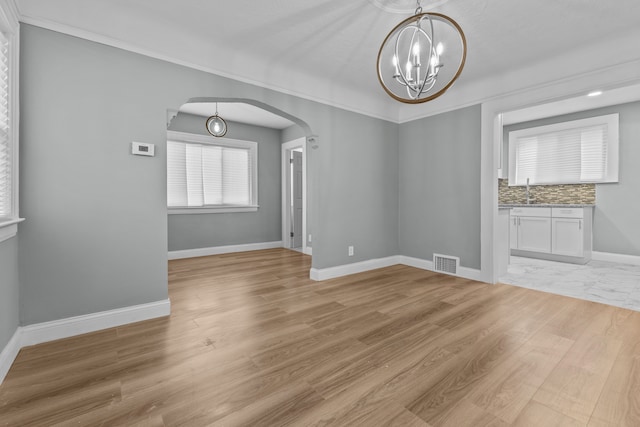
143 149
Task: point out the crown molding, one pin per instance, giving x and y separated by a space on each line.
383 113
461 95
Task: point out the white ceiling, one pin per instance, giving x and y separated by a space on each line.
237 112
326 49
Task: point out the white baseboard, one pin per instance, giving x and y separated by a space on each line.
424 264
619 258
71 326
9 354
64 328
308 250
217 250
320 274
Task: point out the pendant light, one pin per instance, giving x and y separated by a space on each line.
421 57
216 125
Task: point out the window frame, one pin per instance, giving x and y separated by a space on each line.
611 121
10 27
191 138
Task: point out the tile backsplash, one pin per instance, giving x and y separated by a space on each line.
560 194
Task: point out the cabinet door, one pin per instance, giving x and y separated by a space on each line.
567 237
534 234
513 232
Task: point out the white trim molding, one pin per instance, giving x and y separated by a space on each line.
9 354
8 229
77 325
320 274
287 147
64 328
619 258
424 264
218 250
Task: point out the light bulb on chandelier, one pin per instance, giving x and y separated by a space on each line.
216 125
429 68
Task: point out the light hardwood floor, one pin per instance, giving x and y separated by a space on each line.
253 342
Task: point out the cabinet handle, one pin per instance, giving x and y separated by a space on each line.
580 225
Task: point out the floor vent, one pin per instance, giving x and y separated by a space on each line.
445 264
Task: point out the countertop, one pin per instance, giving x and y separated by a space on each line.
543 205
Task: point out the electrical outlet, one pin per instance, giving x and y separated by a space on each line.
350 250
309 238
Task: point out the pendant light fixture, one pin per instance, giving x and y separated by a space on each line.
421 57
216 125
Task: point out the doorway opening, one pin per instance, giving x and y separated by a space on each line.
610 278
209 226
294 196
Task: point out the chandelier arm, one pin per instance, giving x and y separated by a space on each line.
432 41
401 70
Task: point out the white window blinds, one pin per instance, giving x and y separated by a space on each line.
211 174
5 147
580 151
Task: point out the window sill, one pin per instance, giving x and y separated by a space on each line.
9 228
226 209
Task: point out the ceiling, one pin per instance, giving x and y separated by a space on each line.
326 49
237 112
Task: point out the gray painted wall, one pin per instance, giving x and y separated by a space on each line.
615 220
291 133
359 179
209 230
439 194
9 290
96 232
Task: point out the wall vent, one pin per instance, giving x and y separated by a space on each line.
445 264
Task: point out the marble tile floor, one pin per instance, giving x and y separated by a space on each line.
605 282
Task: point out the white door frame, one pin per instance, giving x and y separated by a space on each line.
287 147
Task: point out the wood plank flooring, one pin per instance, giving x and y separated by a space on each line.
253 342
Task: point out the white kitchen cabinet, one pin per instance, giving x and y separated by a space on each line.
556 233
530 229
567 237
533 234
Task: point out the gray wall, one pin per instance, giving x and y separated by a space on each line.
291 133
96 232
192 231
440 186
615 220
9 290
359 180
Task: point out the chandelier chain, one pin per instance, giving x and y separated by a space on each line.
418 8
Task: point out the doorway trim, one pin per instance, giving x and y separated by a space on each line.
287 147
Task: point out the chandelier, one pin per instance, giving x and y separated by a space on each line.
421 57
216 125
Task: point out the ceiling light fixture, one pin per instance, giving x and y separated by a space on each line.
595 93
216 125
421 57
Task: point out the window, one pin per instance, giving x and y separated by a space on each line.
8 122
206 174
575 152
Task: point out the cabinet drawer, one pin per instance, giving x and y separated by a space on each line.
539 212
567 212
